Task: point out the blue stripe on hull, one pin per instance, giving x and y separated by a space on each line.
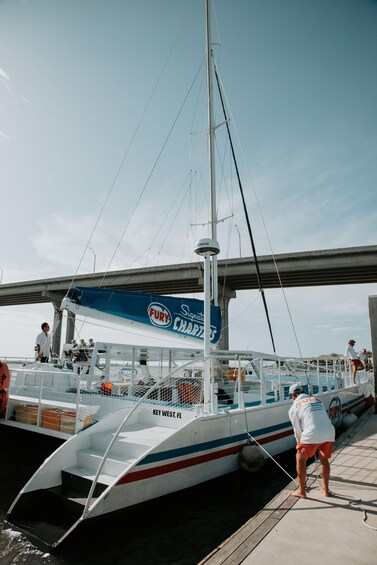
210 445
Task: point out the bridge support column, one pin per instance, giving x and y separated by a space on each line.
56 299
373 330
56 331
225 295
70 331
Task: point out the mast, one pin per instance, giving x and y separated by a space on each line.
211 151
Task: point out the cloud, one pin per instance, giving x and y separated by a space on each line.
4 76
350 329
4 135
6 81
62 240
308 198
22 325
324 319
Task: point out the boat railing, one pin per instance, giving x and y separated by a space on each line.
49 399
177 386
339 368
15 361
261 380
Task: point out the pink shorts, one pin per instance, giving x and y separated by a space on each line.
309 449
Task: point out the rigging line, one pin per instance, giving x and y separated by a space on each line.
127 151
265 228
114 278
158 231
193 152
150 174
150 259
223 184
229 195
198 98
245 210
188 231
222 283
170 210
230 198
241 314
224 187
176 214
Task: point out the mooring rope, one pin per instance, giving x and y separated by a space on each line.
355 499
261 446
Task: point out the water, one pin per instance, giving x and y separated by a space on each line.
179 529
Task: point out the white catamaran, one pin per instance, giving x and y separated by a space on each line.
142 422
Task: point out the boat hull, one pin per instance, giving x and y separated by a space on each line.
209 447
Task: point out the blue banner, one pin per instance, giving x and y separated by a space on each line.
179 315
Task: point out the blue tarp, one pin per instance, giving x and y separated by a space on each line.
178 315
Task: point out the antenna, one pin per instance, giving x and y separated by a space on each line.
207 248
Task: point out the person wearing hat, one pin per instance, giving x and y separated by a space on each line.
357 365
313 432
363 356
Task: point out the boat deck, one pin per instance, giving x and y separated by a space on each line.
340 528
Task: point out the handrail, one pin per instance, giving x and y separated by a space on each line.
125 419
16 360
35 394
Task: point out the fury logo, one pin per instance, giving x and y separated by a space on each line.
159 315
335 410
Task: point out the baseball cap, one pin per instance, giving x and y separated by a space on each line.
295 388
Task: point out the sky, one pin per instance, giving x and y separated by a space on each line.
103 150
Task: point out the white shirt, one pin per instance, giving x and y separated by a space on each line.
44 342
362 356
310 421
350 352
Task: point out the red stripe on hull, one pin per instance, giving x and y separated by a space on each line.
184 463
365 401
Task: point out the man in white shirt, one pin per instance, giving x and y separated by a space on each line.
43 344
313 432
357 365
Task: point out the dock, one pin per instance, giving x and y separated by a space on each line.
341 528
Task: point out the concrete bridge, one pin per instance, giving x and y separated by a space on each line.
353 265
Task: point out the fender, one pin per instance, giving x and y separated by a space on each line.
4 386
106 389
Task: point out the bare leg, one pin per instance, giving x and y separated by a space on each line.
301 475
325 470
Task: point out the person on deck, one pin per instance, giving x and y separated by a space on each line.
43 344
357 365
313 432
362 355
